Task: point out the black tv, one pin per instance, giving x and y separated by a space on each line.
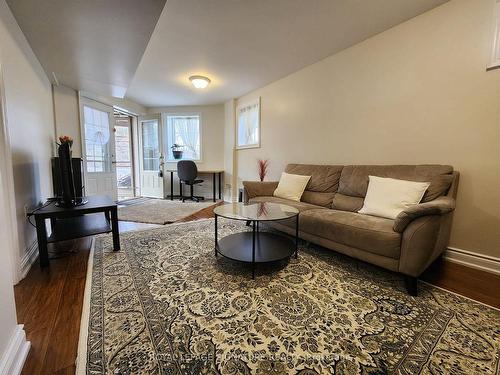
68 197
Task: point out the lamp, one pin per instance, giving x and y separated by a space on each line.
200 82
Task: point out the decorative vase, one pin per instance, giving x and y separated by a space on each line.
177 154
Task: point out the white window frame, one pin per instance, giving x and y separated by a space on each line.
238 108
495 48
169 158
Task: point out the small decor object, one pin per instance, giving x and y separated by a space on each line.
248 125
65 139
263 165
177 151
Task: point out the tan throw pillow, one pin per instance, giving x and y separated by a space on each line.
387 197
291 186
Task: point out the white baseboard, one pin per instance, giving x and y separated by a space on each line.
473 260
15 355
28 259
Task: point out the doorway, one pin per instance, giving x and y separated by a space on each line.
151 157
98 148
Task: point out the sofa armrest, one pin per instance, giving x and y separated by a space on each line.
258 189
438 206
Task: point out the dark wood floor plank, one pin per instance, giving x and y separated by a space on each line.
62 349
49 302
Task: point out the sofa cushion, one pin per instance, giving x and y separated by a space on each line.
323 184
291 186
301 206
353 181
347 203
387 197
370 233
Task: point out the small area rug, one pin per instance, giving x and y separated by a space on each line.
165 304
159 211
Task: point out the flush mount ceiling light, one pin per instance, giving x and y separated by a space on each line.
199 82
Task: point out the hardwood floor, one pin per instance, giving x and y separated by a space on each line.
49 302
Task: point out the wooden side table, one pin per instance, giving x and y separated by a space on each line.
99 215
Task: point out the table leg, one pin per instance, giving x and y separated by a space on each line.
220 187
215 235
41 235
181 192
253 250
171 185
213 187
296 236
115 229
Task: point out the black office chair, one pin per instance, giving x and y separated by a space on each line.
187 172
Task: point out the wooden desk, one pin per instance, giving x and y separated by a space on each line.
213 172
76 222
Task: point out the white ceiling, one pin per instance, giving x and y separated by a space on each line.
91 45
242 45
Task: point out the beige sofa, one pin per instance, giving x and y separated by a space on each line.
328 214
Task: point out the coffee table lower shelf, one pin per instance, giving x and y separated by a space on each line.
269 247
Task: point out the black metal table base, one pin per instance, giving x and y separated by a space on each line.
256 247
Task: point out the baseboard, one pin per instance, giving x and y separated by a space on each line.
15 355
28 259
474 260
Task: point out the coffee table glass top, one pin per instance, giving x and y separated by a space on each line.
263 211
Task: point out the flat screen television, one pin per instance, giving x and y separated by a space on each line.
68 197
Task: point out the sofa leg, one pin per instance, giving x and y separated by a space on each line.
411 285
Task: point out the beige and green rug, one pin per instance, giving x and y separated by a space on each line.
166 305
159 211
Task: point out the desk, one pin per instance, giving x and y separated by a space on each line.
76 222
215 173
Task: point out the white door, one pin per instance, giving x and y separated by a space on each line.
98 148
151 158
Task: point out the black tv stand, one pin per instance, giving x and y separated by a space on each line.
99 215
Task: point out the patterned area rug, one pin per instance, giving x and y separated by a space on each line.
159 211
166 305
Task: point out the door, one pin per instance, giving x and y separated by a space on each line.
124 156
151 158
98 148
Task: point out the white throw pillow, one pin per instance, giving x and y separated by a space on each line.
387 197
291 186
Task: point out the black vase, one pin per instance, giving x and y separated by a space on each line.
177 154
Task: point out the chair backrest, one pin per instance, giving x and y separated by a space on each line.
187 170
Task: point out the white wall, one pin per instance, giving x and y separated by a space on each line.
8 320
66 116
30 122
212 147
417 93
24 116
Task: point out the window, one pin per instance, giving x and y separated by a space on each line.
184 131
248 127
96 140
150 146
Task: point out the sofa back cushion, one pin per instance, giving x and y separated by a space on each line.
354 181
323 184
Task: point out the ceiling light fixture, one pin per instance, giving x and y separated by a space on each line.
200 82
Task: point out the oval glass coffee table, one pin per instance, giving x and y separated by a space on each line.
256 246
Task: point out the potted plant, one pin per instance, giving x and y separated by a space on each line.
263 165
177 151
65 139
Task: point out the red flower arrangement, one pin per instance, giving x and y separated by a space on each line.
66 139
263 165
